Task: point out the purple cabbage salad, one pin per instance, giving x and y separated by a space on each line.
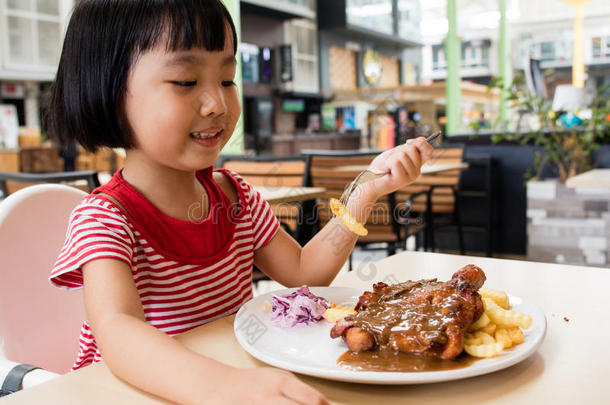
297 308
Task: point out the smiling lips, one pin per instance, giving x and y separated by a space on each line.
207 133
207 137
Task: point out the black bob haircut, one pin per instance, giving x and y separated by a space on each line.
104 38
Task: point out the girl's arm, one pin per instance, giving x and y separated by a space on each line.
154 362
319 261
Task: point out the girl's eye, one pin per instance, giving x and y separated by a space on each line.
228 83
186 83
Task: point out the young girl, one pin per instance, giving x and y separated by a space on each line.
156 78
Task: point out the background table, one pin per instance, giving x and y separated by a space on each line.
426 169
570 367
283 201
277 195
434 168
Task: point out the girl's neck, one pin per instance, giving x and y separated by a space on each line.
170 190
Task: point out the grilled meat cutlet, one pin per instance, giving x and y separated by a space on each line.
423 317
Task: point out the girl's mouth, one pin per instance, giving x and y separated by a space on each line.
206 138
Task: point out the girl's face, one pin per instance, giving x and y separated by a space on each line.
182 106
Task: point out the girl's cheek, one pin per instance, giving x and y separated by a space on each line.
236 113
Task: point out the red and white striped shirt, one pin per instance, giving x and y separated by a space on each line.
187 273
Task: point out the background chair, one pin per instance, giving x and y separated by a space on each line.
273 172
477 188
389 223
433 197
267 171
39 324
474 203
86 180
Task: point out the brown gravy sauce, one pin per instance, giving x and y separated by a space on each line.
418 309
388 360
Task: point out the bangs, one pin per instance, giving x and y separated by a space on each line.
103 40
187 24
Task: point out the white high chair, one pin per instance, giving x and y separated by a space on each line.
39 323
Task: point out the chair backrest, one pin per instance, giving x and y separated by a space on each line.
334 171
443 199
39 324
272 172
268 172
85 180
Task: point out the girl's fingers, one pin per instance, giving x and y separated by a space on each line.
425 149
415 155
302 393
401 168
404 163
421 144
410 161
413 164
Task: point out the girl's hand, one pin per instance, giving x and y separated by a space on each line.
264 386
402 163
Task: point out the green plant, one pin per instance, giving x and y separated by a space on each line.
564 140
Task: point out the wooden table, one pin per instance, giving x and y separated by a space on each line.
300 218
434 168
570 367
278 195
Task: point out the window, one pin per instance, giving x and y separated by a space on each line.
409 18
256 63
473 54
32 34
302 34
547 51
249 63
597 47
438 58
601 47
266 65
485 56
302 3
375 15
305 3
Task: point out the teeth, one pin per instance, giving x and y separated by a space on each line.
201 135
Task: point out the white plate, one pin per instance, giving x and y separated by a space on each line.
308 349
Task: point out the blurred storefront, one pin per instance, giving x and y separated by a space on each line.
544 32
395 114
541 36
340 73
366 47
279 54
475 61
31 33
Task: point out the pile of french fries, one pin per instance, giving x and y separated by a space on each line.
498 328
337 312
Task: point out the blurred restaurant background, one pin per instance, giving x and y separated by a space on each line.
518 88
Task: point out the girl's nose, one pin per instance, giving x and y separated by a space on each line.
211 103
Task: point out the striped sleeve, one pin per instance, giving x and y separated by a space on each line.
264 223
96 230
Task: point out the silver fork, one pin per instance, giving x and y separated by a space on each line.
367 175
